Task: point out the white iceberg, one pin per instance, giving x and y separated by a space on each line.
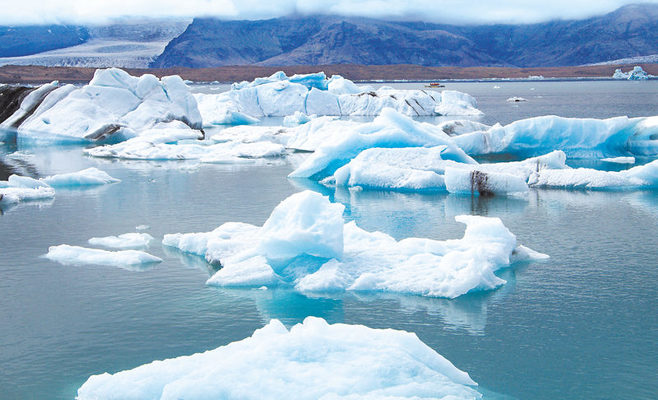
114 105
640 177
390 129
18 189
124 241
280 96
620 160
66 254
577 137
637 74
306 244
86 177
312 360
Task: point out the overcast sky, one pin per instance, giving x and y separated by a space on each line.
447 11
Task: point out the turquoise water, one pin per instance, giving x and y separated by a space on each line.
582 325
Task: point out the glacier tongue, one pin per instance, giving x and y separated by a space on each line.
306 244
312 360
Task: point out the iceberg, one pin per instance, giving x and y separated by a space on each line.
86 177
18 189
620 160
124 241
298 118
637 74
65 254
516 99
390 129
639 177
312 360
306 244
280 96
577 137
476 182
113 106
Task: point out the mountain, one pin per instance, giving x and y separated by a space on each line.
23 40
128 43
313 40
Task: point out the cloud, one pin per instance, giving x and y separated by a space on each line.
445 11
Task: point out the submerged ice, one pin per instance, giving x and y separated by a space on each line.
312 360
306 244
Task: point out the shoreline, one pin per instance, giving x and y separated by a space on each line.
361 73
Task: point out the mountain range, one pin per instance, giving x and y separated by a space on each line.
627 33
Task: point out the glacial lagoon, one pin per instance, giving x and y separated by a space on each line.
581 325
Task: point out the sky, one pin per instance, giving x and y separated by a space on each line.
444 11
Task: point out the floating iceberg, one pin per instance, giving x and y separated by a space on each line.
66 254
280 96
391 129
114 106
643 176
124 241
313 360
577 137
428 168
306 244
637 74
620 160
87 177
516 99
18 189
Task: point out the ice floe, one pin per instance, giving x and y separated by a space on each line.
306 244
87 177
312 360
18 189
643 176
66 254
124 241
619 160
114 105
279 95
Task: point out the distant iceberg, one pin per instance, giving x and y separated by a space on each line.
305 243
124 241
66 254
312 360
113 106
637 74
280 96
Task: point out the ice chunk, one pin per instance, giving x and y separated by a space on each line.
457 103
66 254
124 241
516 99
577 137
636 74
113 105
298 118
390 129
643 176
620 160
305 244
312 360
86 177
18 188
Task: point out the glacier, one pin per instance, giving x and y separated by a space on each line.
123 241
113 106
312 360
306 244
66 254
280 96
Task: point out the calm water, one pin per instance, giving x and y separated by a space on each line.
582 325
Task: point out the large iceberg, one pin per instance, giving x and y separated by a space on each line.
391 129
577 137
280 96
306 244
113 106
312 360
637 74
